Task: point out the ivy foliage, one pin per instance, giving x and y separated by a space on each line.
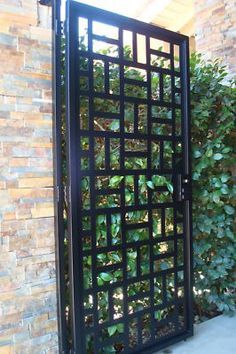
213 141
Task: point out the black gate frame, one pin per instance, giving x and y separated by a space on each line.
185 190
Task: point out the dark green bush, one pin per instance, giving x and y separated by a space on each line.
213 138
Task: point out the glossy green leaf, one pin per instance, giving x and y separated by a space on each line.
170 187
229 209
150 184
111 330
217 156
106 277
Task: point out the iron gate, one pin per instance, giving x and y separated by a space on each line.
129 183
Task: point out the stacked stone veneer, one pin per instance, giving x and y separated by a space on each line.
216 31
27 252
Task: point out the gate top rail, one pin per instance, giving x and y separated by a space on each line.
80 9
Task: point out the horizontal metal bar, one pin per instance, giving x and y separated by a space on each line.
162 121
136 279
128 208
106 115
140 225
135 154
83 73
105 39
126 172
163 256
109 268
107 191
135 82
128 63
126 23
139 296
106 342
141 136
159 53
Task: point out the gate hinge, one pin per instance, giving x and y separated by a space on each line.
63 27
67 193
59 27
58 193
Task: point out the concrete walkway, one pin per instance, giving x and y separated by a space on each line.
215 336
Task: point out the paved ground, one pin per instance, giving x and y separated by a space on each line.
216 336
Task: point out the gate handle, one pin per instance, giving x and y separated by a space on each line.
182 190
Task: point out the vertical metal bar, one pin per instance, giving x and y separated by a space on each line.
106 77
93 214
136 118
107 153
138 262
161 93
135 47
122 186
136 190
109 236
58 177
161 155
175 205
75 238
163 222
150 193
188 253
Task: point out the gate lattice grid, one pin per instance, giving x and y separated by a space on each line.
129 180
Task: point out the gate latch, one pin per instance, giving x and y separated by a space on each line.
183 188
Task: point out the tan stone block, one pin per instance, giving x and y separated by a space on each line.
12 184
4 27
31 193
17 115
7 285
20 193
14 64
4 200
2 184
40 144
10 318
42 212
28 261
9 216
14 225
39 329
25 242
38 123
11 123
6 350
18 19
36 182
48 288
39 319
40 33
18 162
24 212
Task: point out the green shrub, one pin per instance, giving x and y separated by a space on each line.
213 139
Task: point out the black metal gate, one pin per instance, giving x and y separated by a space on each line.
129 183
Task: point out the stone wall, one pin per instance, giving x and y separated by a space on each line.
216 30
27 252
